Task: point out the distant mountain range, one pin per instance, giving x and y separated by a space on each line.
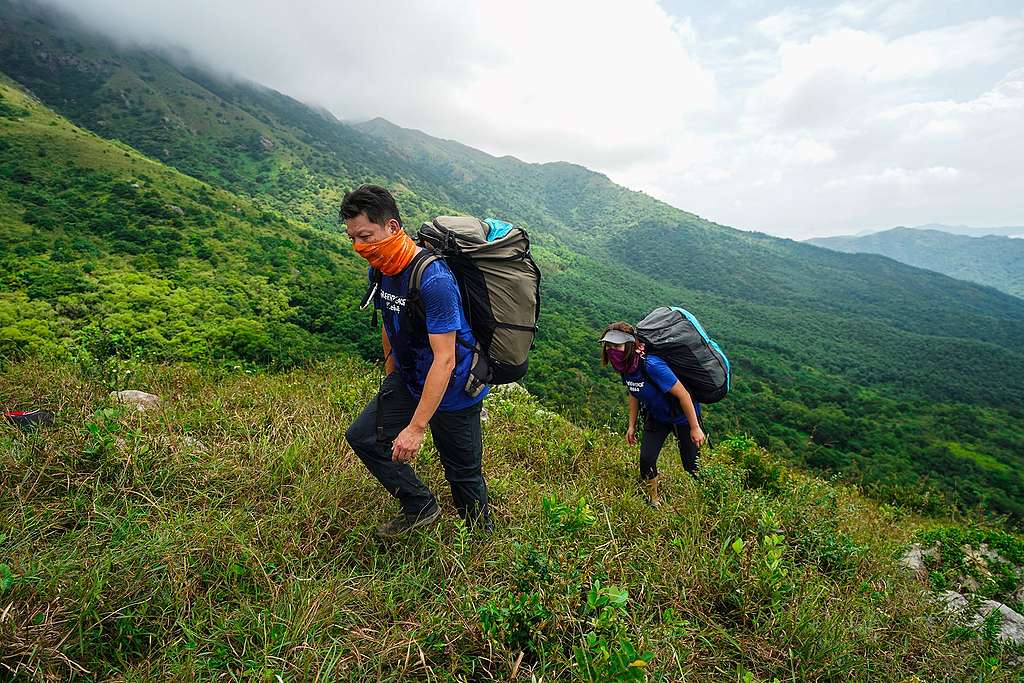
993 260
1004 231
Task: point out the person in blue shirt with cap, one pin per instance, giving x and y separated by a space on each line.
656 393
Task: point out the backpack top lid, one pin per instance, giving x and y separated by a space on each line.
465 228
472 237
498 229
663 327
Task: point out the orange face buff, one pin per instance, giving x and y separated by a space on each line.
390 256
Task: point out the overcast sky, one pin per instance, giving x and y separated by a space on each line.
795 119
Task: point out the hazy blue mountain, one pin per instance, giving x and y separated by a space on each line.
991 260
1004 231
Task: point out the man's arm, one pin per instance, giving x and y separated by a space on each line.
407 444
683 396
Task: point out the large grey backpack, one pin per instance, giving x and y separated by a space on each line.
499 283
675 336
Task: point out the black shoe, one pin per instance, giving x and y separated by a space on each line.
31 419
402 523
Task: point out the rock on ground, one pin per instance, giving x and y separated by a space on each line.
140 399
1011 625
954 603
913 560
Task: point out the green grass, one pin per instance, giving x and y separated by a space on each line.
229 536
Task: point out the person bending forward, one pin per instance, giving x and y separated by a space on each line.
655 392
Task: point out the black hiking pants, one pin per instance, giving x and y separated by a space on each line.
459 442
653 439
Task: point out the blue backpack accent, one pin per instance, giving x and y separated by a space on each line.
711 342
498 229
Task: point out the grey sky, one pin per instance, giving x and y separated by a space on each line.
799 120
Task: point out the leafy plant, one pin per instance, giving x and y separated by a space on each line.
103 430
773 573
516 621
567 518
606 653
6 578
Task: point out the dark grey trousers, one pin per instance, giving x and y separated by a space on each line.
653 439
457 436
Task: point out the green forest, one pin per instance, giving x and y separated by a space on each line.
151 211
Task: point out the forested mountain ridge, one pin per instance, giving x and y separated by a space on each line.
966 230
992 260
121 255
847 363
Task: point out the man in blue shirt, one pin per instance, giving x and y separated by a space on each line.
429 350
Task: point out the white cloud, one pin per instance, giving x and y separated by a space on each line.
780 27
898 176
797 120
1007 95
954 161
886 13
800 150
614 78
591 80
825 66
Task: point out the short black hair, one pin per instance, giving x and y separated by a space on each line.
373 200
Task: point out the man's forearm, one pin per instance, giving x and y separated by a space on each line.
434 386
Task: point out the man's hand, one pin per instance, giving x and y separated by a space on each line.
697 436
631 436
407 444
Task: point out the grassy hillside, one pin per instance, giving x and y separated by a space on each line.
906 382
104 252
990 260
228 536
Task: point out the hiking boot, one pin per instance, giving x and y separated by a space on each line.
402 523
652 492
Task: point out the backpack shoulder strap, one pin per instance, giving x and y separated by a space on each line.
372 292
419 264
414 303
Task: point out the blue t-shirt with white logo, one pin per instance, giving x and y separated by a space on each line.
442 305
650 385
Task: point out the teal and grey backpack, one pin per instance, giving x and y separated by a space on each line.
674 335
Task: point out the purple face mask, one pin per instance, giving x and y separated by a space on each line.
618 360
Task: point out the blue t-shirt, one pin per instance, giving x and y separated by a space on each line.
442 304
650 385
